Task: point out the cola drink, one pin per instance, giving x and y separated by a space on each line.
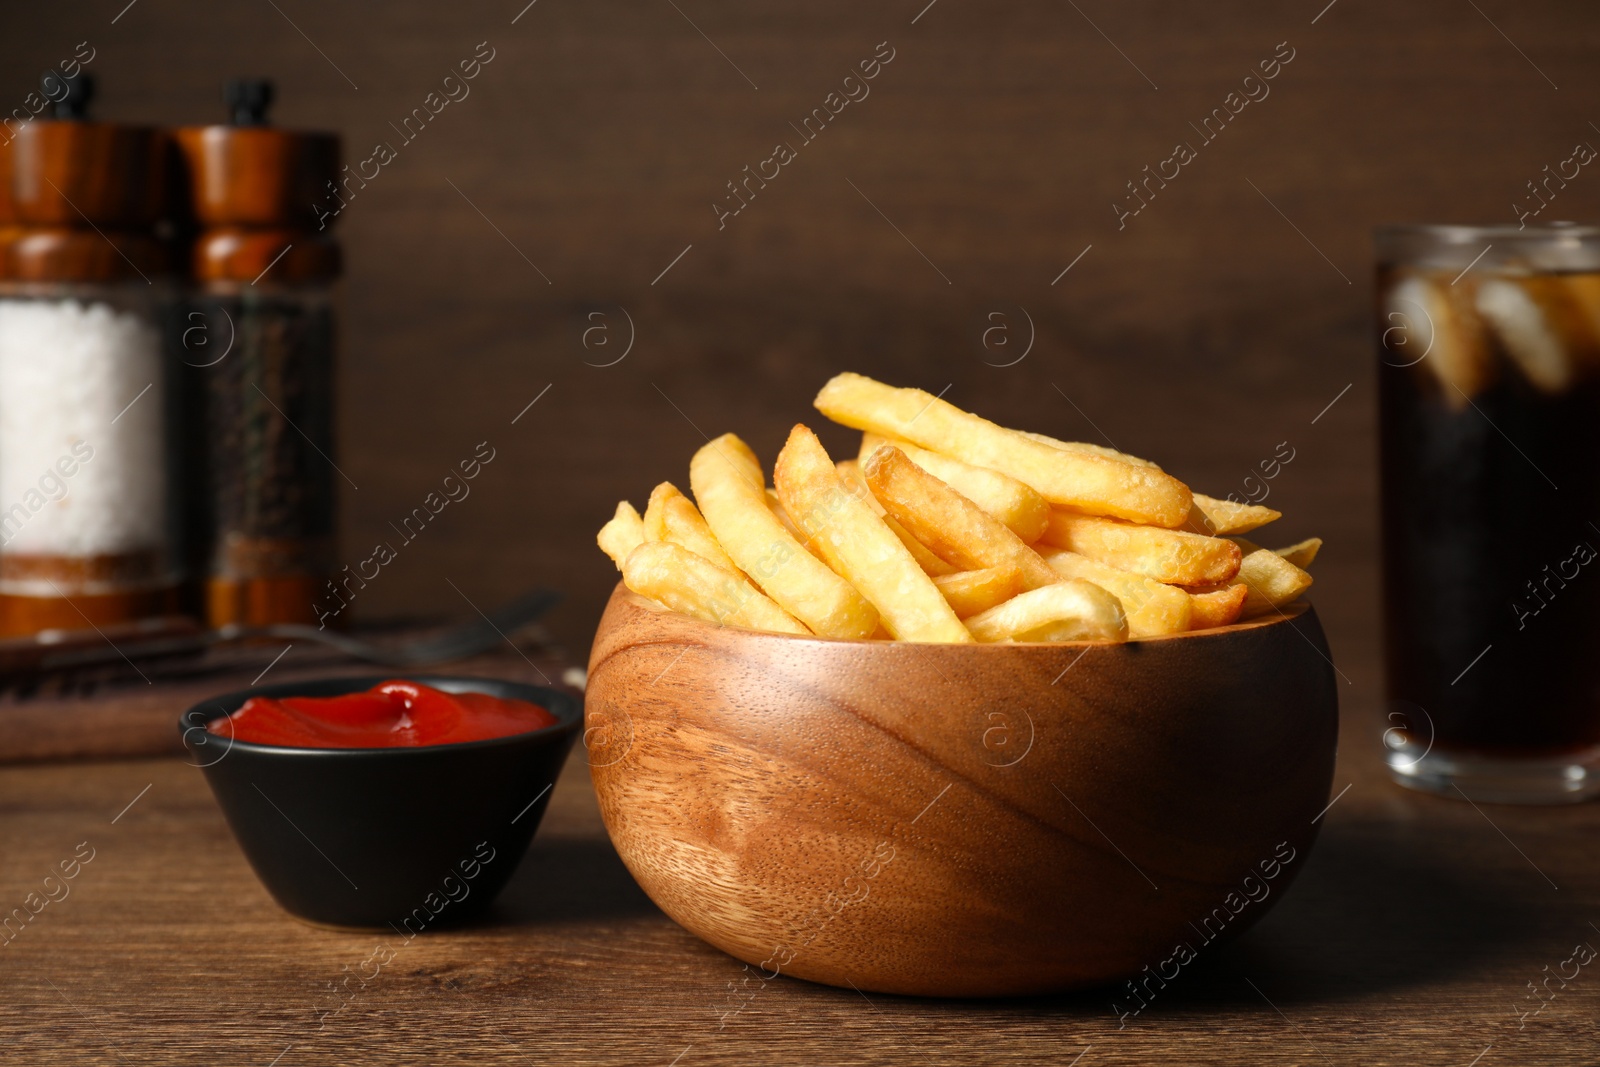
1489 419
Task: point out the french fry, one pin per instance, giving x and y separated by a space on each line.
621 534
653 522
783 516
1090 483
1207 514
1302 553
1270 582
1152 608
691 584
1017 505
1084 446
728 483
1070 610
671 516
1174 556
850 472
949 528
970 592
953 527
1214 606
1215 518
858 545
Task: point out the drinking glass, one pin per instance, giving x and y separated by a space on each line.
1489 414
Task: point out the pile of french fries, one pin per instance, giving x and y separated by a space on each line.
947 528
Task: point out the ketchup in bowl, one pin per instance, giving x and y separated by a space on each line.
394 714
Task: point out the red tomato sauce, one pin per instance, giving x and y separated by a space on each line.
390 715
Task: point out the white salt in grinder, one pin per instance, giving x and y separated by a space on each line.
88 509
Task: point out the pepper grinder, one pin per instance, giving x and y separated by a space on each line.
88 509
258 350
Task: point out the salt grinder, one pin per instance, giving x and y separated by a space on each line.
88 509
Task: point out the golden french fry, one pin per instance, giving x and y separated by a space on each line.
969 592
1207 515
685 582
931 564
671 516
1216 605
1017 505
728 483
1090 483
1084 446
1215 518
621 534
1270 581
783 516
1070 610
950 528
652 518
850 473
1174 556
1151 607
859 546
1302 553
953 527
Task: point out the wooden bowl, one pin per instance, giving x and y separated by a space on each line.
960 820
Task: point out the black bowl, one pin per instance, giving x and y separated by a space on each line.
409 838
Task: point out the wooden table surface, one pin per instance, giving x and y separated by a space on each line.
1411 938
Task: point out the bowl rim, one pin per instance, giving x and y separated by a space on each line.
567 709
1285 614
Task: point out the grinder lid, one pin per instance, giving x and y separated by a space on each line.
250 173
65 170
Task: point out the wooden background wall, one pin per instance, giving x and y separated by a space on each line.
1217 324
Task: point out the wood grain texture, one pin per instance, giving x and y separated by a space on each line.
1201 335
79 174
25 616
1408 940
120 711
958 820
256 176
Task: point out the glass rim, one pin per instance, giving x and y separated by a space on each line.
1462 233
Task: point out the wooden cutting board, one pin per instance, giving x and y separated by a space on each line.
132 709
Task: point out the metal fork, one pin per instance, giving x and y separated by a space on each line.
58 651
